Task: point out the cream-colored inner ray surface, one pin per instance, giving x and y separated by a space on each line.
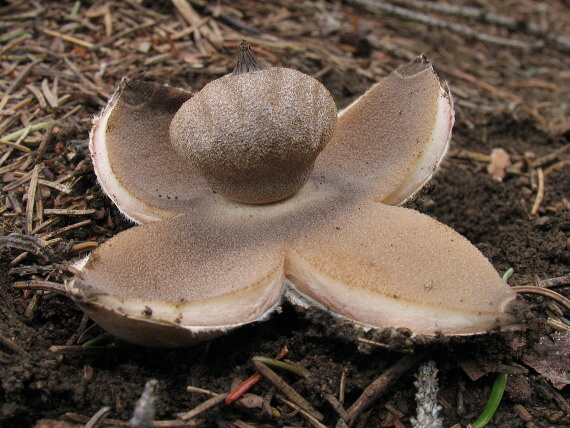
379 265
393 267
391 139
132 155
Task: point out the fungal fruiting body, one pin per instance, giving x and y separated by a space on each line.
232 210
256 149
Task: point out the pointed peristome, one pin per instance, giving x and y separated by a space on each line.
246 60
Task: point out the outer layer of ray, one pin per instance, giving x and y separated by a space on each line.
134 161
390 141
223 264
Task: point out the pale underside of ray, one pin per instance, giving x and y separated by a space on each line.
223 265
390 141
132 156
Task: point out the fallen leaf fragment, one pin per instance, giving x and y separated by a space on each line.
551 358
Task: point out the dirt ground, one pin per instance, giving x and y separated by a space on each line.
60 62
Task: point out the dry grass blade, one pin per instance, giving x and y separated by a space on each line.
31 199
539 192
17 82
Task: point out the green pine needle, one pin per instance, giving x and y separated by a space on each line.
493 403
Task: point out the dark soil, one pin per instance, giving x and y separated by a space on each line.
514 98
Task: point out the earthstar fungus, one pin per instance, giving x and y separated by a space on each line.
252 191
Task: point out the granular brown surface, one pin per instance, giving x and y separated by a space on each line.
60 62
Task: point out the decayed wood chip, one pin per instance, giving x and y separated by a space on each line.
36 246
500 161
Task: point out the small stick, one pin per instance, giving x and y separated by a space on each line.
65 229
43 225
36 285
14 165
556 166
16 261
550 157
555 282
36 246
336 406
10 344
307 415
376 388
546 292
342 387
81 247
17 183
76 417
208 404
80 350
557 325
539 192
59 211
123 33
197 390
284 387
283 365
241 389
252 380
16 82
380 345
242 424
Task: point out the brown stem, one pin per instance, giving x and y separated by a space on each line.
543 292
376 388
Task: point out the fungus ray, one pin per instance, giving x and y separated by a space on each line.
391 140
132 155
191 275
387 267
